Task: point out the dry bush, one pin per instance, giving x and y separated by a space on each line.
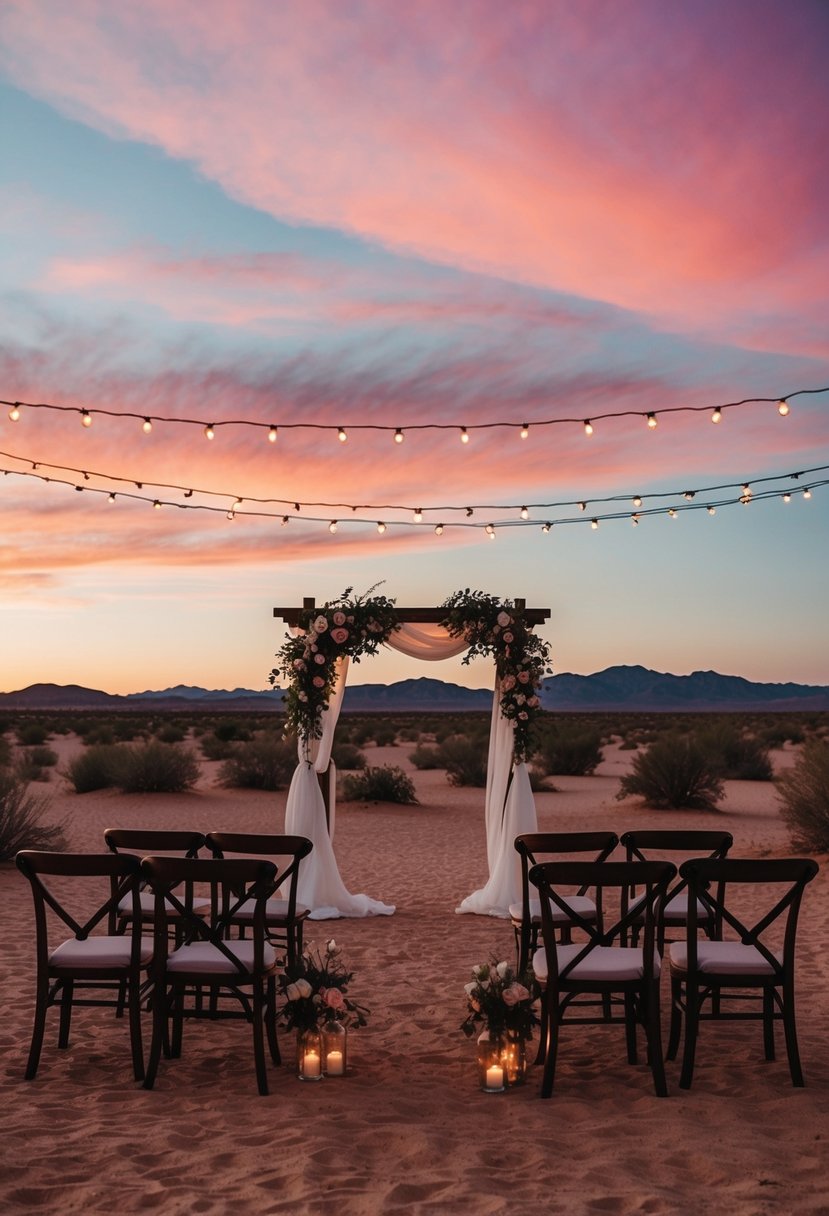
804 798
21 820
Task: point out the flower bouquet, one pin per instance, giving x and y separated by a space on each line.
315 1004
505 1007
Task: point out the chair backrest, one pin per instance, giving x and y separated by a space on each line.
122 873
285 851
708 880
231 882
652 844
533 847
550 877
156 841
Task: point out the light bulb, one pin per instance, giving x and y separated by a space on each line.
717 415
332 527
86 418
341 435
588 427
787 497
14 413
582 506
672 512
525 430
284 520
418 515
689 494
273 434
464 435
111 498
546 527
438 529
635 520
807 493
381 527
594 523
490 531
147 425
712 510
783 407
209 433
637 501
525 513
157 505
398 436
652 421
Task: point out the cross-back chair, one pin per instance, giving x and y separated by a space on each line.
676 845
141 842
618 974
284 917
533 848
752 966
65 893
203 956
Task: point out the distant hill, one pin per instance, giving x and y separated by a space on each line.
616 688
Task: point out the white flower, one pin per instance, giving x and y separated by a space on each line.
502 969
303 987
470 988
481 971
320 624
331 947
292 992
504 619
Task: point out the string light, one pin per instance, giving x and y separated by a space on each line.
635 520
273 434
464 435
807 493
637 500
381 527
588 426
439 530
787 497
110 497
524 513
14 413
711 510
398 435
582 506
418 515
469 512
783 407
652 421
157 504
716 416
332 527
594 524
209 432
525 430
86 418
546 527
672 512
341 435
147 425
688 495
490 531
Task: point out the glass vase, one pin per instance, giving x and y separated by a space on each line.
334 1048
491 1071
309 1055
514 1058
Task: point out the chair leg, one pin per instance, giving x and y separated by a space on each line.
159 1033
550 1044
65 1012
270 1021
177 1018
653 1029
134 999
41 1005
543 1033
692 1002
258 1038
768 1023
676 1018
630 1027
790 1030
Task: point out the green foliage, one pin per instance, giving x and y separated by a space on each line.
42 756
31 734
424 757
97 768
465 760
674 774
170 732
21 819
266 763
345 756
214 748
157 768
804 796
570 750
385 734
382 784
100 733
737 755
231 730
499 1000
314 990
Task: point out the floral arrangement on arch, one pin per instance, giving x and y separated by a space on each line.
522 659
501 1001
350 626
314 989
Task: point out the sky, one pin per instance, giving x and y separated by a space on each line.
317 214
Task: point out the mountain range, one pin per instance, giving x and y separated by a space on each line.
632 688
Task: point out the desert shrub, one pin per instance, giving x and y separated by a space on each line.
266 763
804 797
157 768
382 784
42 756
739 757
5 752
570 751
361 733
214 748
170 733
31 734
21 819
231 731
629 745
464 760
540 783
424 757
674 774
97 768
385 734
779 733
408 734
347 756
100 733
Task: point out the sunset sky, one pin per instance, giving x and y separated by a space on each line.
324 213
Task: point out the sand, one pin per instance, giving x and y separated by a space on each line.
408 1130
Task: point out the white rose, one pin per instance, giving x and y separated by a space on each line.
320 624
470 988
292 992
502 969
481 971
304 988
504 619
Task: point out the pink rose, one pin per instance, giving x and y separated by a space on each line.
299 665
508 636
319 682
507 683
319 658
515 993
320 624
533 702
334 999
504 619
523 715
339 618
339 636
524 677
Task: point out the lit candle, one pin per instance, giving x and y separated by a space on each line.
495 1077
311 1064
334 1064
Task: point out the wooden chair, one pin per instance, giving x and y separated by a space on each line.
597 967
533 848
284 917
141 842
746 968
85 961
676 845
203 957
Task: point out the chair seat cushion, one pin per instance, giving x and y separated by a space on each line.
676 909
147 900
602 963
722 958
582 904
276 911
99 952
207 959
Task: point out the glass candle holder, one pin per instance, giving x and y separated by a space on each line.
514 1059
492 1074
334 1049
309 1055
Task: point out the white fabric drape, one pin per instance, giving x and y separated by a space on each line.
509 805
